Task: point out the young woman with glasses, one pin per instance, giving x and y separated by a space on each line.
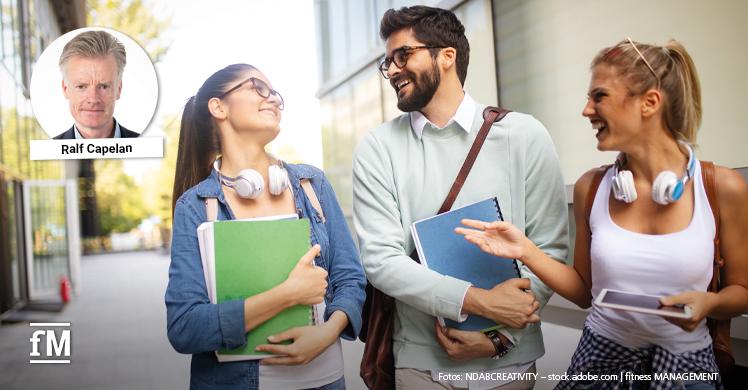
224 131
645 102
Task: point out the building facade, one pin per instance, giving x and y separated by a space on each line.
36 200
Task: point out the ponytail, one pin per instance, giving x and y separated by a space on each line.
199 142
683 112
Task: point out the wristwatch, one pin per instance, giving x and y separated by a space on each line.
500 343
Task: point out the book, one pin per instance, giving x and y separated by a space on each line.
448 253
242 258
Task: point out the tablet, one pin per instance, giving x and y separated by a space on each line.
641 303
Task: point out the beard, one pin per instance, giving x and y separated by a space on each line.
424 87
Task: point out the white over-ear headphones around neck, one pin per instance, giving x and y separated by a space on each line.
249 184
666 188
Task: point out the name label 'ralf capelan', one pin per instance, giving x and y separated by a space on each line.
96 149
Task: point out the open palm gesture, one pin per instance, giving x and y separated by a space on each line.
497 238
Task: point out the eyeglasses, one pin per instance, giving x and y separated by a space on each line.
261 88
645 61
400 57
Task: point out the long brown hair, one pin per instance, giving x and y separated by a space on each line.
672 69
199 143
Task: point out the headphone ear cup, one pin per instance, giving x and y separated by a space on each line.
623 187
249 184
277 180
666 188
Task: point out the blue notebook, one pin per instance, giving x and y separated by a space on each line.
448 253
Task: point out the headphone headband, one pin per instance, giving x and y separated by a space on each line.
666 188
250 183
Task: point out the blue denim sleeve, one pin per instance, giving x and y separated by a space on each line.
195 325
345 272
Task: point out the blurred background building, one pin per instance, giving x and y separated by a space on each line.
52 212
39 205
533 56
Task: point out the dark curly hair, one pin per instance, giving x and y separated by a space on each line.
433 27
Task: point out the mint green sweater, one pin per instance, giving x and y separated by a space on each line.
399 179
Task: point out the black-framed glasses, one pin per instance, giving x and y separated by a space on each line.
400 57
261 88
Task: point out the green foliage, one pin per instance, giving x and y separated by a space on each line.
134 18
121 203
119 200
16 132
161 181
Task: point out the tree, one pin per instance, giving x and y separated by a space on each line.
161 182
133 18
120 201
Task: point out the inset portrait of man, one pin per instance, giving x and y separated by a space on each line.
92 64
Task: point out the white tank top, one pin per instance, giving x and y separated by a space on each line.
663 264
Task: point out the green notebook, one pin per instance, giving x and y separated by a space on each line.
252 257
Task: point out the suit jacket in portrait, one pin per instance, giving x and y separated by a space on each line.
124 133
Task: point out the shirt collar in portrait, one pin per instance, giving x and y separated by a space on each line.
464 117
117 132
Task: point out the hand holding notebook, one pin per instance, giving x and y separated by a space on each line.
447 253
306 277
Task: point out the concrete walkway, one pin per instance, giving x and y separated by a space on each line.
118 331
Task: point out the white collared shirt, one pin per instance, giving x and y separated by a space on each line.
117 132
463 117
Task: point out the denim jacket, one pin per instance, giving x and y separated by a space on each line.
196 326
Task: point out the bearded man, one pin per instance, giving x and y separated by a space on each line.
402 172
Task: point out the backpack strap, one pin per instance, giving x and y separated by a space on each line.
211 208
312 196
710 186
592 191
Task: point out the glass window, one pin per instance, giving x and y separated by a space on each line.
49 237
9 123
338 33
11 37
360 29
12 240
321 31
367 102
327 107
338 147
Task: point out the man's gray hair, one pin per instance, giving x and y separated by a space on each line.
94 44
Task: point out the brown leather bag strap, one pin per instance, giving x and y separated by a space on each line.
592 191
710 187
490 116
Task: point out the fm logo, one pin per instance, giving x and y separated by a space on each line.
55 340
